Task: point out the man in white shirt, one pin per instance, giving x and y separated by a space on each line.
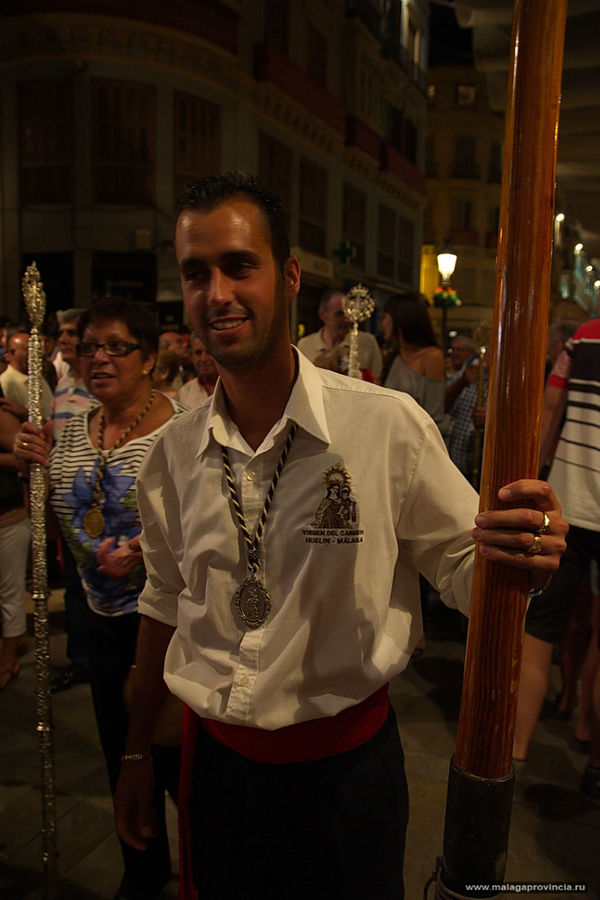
197 390
336 332
14 381
285 526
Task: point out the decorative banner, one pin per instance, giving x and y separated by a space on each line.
358 306
35 301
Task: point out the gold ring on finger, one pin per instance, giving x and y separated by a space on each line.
24 445
536 546
545 526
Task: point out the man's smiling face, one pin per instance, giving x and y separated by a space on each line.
234 294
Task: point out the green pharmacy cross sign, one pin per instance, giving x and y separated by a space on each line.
344 252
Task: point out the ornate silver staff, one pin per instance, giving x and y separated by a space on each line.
35 301
358 306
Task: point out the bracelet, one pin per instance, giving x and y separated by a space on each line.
135 757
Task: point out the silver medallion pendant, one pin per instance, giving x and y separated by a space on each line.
252 602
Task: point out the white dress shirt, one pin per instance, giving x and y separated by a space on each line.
369 354
192 393
342 573
15 387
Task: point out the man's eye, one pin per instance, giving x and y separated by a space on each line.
238 269
195 275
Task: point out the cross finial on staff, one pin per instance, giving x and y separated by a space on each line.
358 306
34 295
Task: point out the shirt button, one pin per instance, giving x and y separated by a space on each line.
250 476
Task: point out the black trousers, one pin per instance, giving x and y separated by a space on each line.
328 829
112 652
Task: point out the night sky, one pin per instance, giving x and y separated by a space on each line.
447 41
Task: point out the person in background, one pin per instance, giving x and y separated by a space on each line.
15 533
71 398
571 410
336 333
165 372
418 366
14 379
49 333
195 391
92 472
559 333
462 348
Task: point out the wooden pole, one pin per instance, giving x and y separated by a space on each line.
480 783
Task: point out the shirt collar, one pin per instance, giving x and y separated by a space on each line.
305 407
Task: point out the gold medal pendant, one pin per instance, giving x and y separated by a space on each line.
93 522
252 602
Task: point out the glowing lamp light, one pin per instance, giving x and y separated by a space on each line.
446 262
560 217
578 248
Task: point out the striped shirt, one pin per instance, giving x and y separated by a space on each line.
575 473
73 469
70 397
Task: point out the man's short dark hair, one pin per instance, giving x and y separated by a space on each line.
207 193
137 317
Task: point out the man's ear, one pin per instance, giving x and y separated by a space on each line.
291 278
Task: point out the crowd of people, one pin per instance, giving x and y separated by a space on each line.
227 541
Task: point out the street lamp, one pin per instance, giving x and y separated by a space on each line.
446 262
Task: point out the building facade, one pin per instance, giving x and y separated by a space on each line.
464 171
107 113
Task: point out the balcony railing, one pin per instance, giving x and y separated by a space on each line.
272 65
465 169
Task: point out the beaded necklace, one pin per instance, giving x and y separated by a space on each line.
93 521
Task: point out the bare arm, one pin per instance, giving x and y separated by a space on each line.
433 363
134 816
553 410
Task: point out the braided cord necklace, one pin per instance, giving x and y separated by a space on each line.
93 521
251 599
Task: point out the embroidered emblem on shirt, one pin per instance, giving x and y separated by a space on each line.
336 516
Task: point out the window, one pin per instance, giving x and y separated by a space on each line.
123 142
495 170
354 221
406 249
45 131
463 215
316 54
197 145
464 165
277 24
275 167
312 206
386 239
430 163
465 94
402 133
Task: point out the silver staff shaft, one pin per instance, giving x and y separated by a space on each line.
35 302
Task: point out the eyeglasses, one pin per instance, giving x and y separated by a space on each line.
112 348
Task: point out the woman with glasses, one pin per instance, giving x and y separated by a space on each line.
92 472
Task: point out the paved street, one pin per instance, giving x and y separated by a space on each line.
555 832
